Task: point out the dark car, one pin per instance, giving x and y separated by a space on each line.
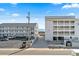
23 45
4 39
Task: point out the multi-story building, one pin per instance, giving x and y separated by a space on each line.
61 29
41 33
19 30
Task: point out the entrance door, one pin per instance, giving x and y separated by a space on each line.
61 40
58 40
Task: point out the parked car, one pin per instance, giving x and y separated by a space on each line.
4 39
23 45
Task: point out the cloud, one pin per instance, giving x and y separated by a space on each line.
0 22
56 3
2 9
15 14
12 20
36 19
14 4
72 5
48 11
9 21
71 14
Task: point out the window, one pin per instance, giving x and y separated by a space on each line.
54 22
55 26
22 27
32 28
2 26
32 32
17 31
60 22
66 22
61 26
3 30
72 26
32 37
66 33
58 27
6 31
66 27
55 33
60 33
72 22
72 32
54 38
17 26
0 30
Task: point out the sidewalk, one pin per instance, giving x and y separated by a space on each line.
35 51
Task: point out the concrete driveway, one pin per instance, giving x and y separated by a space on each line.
40 43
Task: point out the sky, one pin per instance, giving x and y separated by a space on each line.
17 12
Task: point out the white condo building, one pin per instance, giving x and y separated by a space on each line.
61 29
19 29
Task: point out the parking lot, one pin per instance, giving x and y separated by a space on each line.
10 44
39 43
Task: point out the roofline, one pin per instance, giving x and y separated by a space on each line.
61 17
18 23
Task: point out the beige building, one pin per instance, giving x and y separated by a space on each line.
61 29
41 33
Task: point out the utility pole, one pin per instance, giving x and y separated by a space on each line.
27 43
28 27
28 17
